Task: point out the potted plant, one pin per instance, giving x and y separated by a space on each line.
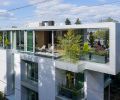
100 56
85 52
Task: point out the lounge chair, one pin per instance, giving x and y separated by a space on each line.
42 49
50 49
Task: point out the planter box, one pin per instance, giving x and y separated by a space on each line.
85 57
99 59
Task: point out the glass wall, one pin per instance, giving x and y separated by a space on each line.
30 41
7 44
32 95
20 40
1 39
32 71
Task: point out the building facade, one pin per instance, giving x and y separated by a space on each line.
32 68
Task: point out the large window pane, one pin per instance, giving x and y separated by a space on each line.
1 39
20 40
29 41
7 40
32 71
32 95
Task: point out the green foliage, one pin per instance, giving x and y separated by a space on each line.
109 19
67 21
91 39
2 96
78 21
7 42
100 34
0 38
86 48
101 53
70 43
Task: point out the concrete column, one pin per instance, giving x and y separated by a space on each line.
14 40
11 38
25 40
34 41
46 79
53 42
94 85
17 64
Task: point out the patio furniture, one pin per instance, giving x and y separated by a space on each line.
42 49
51 49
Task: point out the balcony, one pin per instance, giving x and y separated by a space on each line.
90 46
70 86
71 93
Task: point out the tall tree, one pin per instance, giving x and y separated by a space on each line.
70 43
109 19
67 21
78 21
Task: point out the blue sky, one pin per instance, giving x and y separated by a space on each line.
57 10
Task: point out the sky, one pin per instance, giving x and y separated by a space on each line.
57 10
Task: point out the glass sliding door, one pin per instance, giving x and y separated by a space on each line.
30 41
20 40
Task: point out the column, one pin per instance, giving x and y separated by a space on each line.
52 42
11 42
25 40
34 41
94 85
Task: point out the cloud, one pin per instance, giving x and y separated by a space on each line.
5 3
6 15
58 10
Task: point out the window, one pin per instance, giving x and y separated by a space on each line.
32 95
7 40
32 71
29 41
20 40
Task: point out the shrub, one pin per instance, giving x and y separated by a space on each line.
86 48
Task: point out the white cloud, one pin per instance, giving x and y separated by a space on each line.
5 3
58 10
6 15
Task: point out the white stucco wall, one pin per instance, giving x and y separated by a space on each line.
3 71
17 64
94 85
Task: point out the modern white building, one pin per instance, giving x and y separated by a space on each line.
29 72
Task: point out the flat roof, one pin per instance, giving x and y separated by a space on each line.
64 27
